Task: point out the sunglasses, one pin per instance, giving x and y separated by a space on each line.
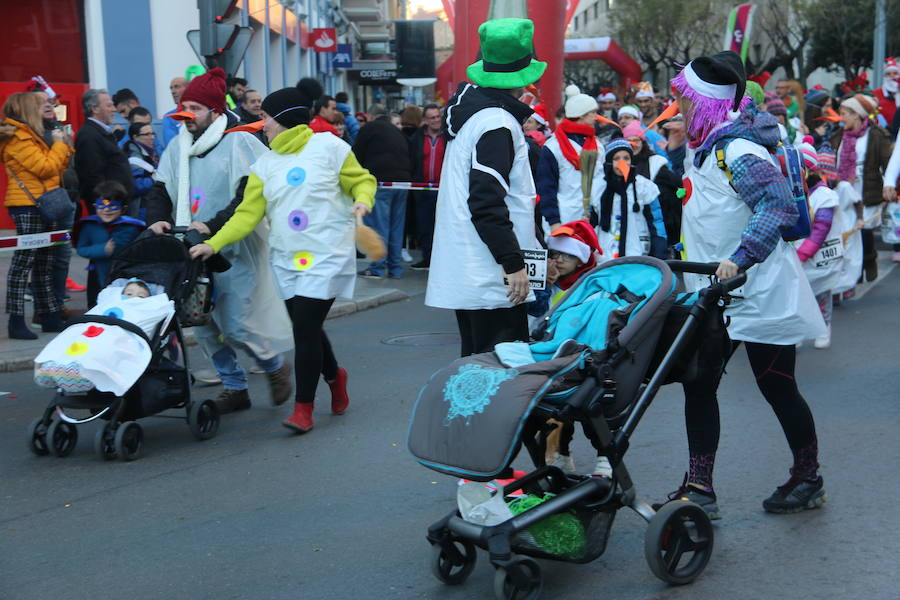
105 204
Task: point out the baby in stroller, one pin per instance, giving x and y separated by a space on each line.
122 361
91 355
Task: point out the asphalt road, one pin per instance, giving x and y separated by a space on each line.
341 512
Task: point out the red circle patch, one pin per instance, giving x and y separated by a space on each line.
688 190
93 331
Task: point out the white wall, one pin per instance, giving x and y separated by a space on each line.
96 47
172 54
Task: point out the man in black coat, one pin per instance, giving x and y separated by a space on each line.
382 148
98 156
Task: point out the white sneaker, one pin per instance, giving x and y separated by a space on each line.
207 377
602 468
563 462
406 256
824 341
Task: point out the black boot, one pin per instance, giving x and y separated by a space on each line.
18 330
52 322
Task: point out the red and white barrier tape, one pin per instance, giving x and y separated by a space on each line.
34 240
407 185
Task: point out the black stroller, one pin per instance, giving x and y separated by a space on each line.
166 383
635 333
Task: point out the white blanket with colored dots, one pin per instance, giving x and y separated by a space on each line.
94 355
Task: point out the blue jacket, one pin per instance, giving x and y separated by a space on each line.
350 121
91 235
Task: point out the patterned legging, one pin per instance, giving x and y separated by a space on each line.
37 262
773 367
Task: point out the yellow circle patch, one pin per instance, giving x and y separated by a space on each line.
77 348
303 260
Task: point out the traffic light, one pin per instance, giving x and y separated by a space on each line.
215 35
217 43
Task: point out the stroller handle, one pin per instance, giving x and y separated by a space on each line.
178 230
726 285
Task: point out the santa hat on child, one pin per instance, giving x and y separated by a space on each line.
578 104
577 238
541 115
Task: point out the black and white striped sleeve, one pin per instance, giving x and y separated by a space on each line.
492 163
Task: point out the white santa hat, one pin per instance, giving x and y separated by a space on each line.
571 246
576 238
631 110
645 91
578 104
607 97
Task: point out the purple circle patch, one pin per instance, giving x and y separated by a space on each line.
298 220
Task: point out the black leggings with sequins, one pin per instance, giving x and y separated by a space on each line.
773 367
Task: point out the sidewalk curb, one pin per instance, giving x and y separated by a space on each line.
341 308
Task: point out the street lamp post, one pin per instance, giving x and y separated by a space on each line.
878 49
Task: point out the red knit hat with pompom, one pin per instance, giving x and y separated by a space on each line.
207 89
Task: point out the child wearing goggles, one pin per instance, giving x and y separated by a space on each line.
100 236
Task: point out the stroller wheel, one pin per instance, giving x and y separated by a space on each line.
129 440
61 438
37 440
203 419
521 580
678 542
105 443
454 564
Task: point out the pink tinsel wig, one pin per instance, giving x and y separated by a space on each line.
706 113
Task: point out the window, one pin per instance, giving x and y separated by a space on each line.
596 10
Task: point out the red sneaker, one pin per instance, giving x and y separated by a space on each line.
301 421
339 399
74 287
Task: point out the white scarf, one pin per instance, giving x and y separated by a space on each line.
187 148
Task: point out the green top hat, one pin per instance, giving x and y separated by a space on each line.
507 52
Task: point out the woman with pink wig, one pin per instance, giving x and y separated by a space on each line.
736 206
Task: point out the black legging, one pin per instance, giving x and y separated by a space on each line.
773 367
312 350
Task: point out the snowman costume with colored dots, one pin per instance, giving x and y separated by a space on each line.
312 247
94 355
202 177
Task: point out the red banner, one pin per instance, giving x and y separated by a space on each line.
323 39
738 33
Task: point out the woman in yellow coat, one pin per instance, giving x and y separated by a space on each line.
32 169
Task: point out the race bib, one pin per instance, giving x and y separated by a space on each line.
536 267
830 252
